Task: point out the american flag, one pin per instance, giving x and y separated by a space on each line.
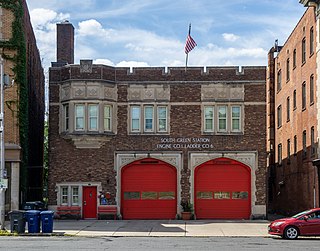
190 44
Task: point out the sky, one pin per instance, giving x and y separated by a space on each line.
135 33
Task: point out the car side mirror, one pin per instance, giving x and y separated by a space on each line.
305 218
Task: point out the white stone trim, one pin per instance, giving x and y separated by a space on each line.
74 184
123 159
248 158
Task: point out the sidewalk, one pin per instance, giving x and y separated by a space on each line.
135 228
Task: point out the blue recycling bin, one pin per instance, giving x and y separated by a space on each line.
33 219
47 221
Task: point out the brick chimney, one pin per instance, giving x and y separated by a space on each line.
65 42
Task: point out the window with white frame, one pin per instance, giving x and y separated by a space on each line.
135 118
65 117
222 118
162 119
236 118
152 118
107 113
79 117
93 111
75 196
64 195
148 119
208 118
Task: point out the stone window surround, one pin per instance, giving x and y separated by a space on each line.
142 119
229 106
80 185
100 116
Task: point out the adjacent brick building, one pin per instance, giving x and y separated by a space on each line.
293 115
146 139
24 105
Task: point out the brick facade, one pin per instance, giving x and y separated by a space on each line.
75 160
36 110
293 179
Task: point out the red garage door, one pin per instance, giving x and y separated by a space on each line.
148 190
222 190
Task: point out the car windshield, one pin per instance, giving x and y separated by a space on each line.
302 213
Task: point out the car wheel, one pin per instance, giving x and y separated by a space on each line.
291 233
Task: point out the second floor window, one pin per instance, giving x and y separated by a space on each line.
93 117
135 118
208 118
288 149
107 110
66 117
87 117
222 118
295 146
148 117
79 117
236 119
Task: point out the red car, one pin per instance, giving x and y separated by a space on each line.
306 223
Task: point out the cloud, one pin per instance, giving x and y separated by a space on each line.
230 37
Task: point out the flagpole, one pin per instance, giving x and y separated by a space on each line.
188 53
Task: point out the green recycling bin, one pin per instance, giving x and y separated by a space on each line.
33 219
47 221
17 221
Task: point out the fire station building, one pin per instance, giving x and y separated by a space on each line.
147 139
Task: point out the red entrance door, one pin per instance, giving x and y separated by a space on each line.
89 202
223 190
149 190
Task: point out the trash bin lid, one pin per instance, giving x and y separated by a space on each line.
32 212
17 212
47 212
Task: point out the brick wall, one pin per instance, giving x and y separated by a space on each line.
67 163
